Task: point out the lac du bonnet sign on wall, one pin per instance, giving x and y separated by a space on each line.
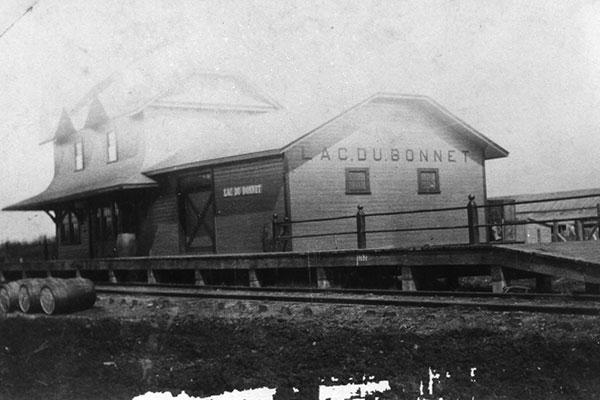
242 190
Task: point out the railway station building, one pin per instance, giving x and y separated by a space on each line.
202 168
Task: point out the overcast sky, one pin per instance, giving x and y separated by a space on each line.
524 73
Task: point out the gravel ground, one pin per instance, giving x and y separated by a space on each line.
126 346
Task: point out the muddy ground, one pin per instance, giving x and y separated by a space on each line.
127 346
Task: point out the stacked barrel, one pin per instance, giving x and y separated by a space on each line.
48 295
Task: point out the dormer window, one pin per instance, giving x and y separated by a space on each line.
78 155
111 145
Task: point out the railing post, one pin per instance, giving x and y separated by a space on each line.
361 228
473 220
579 230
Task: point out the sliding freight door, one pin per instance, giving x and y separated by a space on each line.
197 212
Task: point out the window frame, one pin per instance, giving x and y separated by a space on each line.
367 189
109 159
106 222
422 190
70 229
78 153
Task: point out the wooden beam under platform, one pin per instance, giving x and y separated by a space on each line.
429 262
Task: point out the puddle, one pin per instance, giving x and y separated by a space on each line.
331 391
354 391
252 394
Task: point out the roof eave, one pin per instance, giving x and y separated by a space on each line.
215 161
48 204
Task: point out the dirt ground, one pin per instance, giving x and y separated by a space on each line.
127 346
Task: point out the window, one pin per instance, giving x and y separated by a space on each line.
69 229
357 181
111 145
106 222
429 180
78 155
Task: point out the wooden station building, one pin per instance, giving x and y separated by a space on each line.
202 168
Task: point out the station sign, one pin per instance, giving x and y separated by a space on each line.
248 190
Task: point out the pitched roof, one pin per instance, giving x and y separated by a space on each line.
128 92
275 132
237 138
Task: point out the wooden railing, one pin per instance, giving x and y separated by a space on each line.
282 230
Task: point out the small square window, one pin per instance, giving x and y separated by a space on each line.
428 180
78 155
357 181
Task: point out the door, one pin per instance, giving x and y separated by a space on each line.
196 212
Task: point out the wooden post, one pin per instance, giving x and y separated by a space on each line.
408 281
579 230
253 279
498 280
473 220
78 273
361 233
286 232
598 221
2 278
150 278
275 229
199 281
322 281
46 254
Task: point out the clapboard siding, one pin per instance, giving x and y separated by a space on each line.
247 195
393 141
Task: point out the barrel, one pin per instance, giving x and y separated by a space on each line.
67 295
29 295
126 245
9 296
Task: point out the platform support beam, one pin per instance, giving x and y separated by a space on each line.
408 280
77 273
498 279
253 279
543 284
2 278
198 280
150 278
322 281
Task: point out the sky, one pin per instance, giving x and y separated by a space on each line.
524 73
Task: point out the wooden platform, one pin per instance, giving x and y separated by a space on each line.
578 261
